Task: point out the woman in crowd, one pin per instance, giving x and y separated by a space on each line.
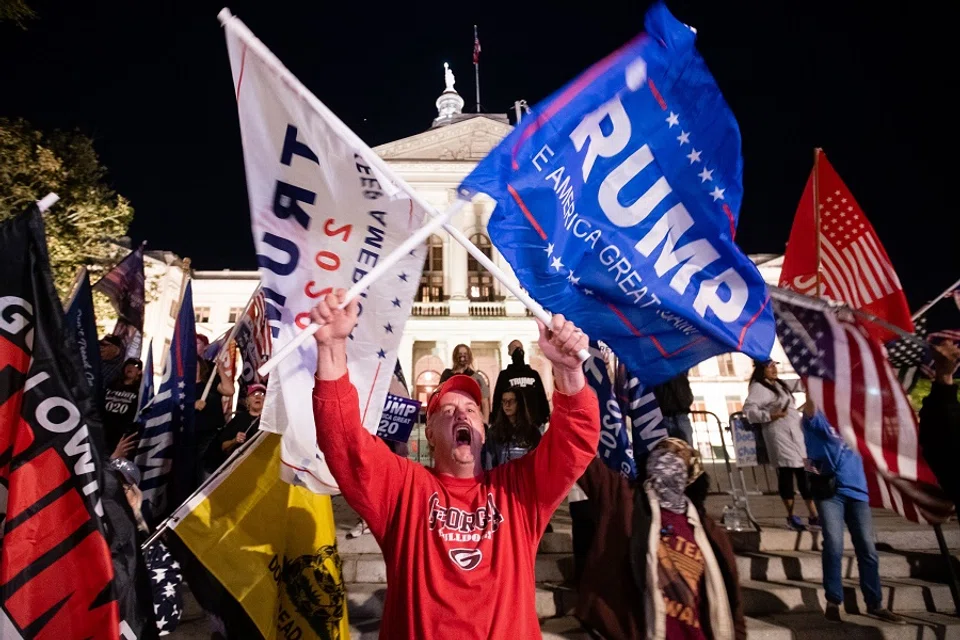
659 567
841 492
463 363
512 433
770 404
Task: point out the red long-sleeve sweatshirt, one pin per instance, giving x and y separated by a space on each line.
460 553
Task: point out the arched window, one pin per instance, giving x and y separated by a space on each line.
479 280
431 280
427 383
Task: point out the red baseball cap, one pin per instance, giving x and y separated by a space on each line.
459 382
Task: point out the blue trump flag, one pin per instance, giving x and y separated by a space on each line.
83 322
646 420
614 448
167 454
617 202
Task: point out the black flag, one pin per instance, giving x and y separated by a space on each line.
56 576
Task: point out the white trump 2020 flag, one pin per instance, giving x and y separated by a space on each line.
322 218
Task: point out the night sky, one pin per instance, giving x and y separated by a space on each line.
150 82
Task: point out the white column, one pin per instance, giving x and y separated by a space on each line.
456 259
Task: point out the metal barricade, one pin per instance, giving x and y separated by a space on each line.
708 452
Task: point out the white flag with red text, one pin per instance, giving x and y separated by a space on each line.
322 218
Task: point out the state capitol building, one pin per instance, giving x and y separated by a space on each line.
458 302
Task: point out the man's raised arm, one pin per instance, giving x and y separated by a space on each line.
370 476
548 473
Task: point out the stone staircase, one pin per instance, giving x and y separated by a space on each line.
780 577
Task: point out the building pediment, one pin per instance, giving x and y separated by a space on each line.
468 139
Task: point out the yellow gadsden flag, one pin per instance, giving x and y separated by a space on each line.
272 545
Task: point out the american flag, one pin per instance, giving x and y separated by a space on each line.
855 268
476 46
940 324
254 339
908 357
850 380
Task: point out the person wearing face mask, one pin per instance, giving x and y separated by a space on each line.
660 568
520 376
459 543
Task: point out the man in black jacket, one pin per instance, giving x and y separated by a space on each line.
675 399
520 375
940 421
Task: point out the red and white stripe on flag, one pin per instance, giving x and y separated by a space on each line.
854 267
867 405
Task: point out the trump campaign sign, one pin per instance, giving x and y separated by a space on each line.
322 218
617 203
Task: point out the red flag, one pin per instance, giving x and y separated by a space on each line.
476 46
854 267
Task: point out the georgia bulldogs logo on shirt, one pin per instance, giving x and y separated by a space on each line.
457 525
466 559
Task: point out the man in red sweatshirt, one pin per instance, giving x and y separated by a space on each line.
460 544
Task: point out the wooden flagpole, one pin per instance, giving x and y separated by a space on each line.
816 209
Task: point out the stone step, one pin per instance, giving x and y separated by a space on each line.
371 569
568 628
900 595
365 601
782 539
813 626
807 565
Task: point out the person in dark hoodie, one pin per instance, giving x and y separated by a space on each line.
520 376
940 421
659 568
126 530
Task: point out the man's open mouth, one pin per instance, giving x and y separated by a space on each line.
463 435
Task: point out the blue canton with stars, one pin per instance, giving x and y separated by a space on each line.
617 203
807 339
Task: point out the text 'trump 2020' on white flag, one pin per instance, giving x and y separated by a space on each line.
322 218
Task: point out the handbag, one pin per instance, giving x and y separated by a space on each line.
823 485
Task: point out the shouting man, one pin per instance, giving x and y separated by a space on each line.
459 543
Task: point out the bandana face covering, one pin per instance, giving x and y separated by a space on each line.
668 478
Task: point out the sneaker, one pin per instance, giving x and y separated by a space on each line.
813 524
832 612
358 530
886 615
795 524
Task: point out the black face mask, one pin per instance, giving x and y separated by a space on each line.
517 356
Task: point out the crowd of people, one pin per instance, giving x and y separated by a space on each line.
460 538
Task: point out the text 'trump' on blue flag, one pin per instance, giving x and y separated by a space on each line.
617 202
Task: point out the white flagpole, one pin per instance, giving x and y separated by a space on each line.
226 344
382 267
47 201
940 297
372 159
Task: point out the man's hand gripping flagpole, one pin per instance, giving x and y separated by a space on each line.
372 159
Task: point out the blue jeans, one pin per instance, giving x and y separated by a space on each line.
856 513
679 427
